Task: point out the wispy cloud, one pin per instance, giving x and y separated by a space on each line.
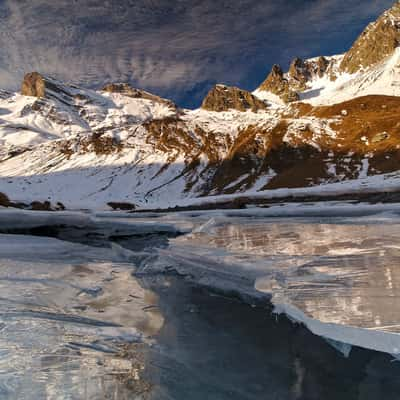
177 47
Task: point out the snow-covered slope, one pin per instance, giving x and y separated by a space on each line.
86 149
383 79
108 147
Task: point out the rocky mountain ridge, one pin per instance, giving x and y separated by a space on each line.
224 98
288 85
375 45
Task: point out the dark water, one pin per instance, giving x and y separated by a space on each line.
197 344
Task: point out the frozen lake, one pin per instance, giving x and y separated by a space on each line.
178 306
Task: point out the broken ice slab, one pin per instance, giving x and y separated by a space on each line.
339 277
352 298
15 218
87 228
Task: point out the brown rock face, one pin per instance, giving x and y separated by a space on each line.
277 84
296 80
33 85
127 90
378 41
299 73
321 66
37 85
224 98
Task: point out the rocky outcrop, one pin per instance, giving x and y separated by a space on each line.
378 41
301 73
278 84
33 85
225 98
127 90
38 85
321 66
121 206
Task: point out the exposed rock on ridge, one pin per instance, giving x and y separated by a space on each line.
128 90
278 84
225 98
300 74
373 47
40 86
376 42
33 85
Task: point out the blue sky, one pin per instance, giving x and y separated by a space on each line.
177 49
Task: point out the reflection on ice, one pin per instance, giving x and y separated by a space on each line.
318 273
76 324
68 319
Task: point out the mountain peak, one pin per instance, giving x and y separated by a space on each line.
225 98
301 72
378 41
279 85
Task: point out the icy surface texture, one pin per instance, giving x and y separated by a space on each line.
81 322
339 276
69 316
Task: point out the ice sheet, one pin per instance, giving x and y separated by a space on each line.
108 224
339 276
75 323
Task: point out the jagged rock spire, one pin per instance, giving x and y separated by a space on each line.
277 84
38 85
33 85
